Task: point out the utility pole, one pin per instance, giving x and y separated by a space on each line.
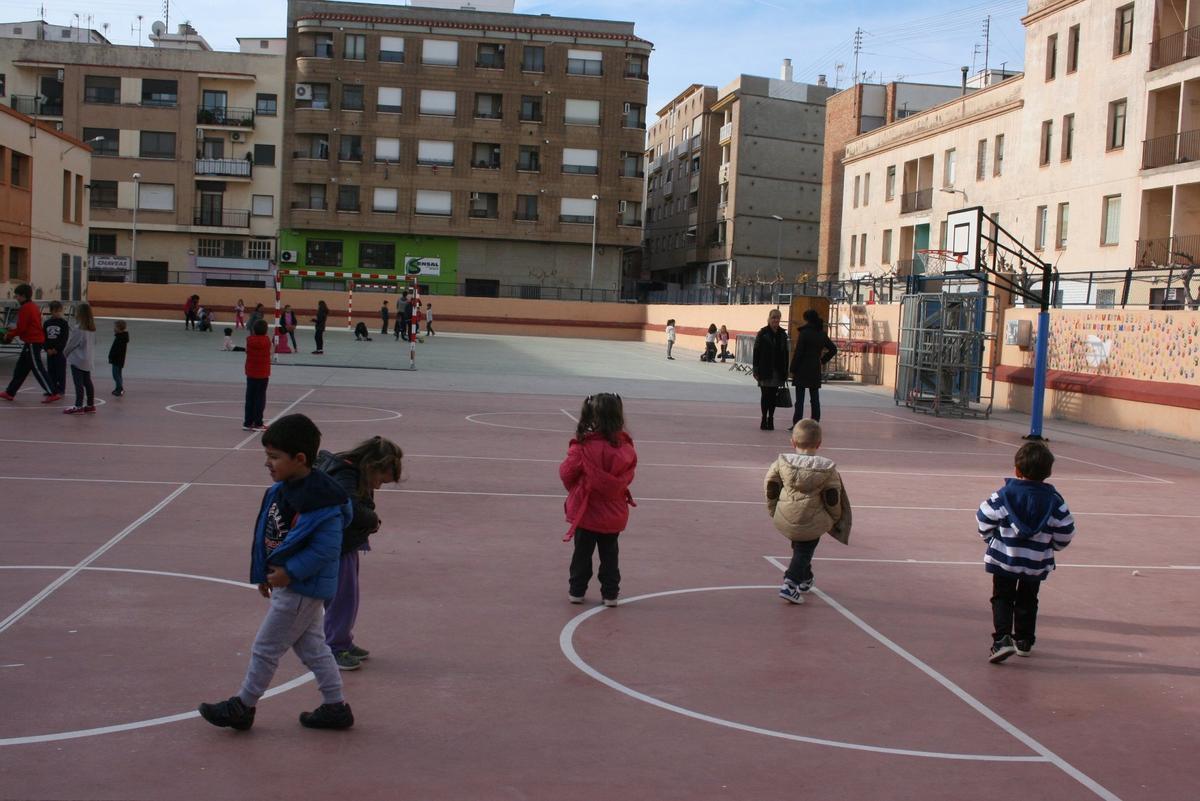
987 41
858 33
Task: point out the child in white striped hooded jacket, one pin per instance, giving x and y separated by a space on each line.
1023 524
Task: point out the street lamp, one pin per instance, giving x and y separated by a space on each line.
950 190
778 245
592 270
137 201
89 143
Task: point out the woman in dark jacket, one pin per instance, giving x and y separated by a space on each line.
319 322
814 349
770 366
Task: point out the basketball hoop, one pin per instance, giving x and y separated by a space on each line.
940 262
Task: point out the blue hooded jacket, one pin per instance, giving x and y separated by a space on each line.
1024 523
310 551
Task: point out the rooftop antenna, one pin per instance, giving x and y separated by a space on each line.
137 26
837 75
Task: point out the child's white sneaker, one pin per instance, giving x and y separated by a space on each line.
610 601
575 599
789 592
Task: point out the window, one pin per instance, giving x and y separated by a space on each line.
531 108
439 104
484 205
319 97
264 155
527 208
533 59
391 49
435 153
266 105
355 47
857 189
528 159
18 264
316 146
886 255
1106 298
260 249
1072 49
631 164
634 116
159 92
3 85
889 185
157 145
390 100
577 210
311 196
262 205
1116 124
352 97
377 255
386 199
862 250
998 155
1110 224
582 112
981 160
635 66
434 202
1041 221
349 148
949 171
580 161
485 155
489 106
853 249
387 149
1068 137
323 253
104 244
1051 56
490 56
630 213
867 189
585 62
439 53
1060 225
102 89
110 145
1123 41
156 197
1047 142
104 194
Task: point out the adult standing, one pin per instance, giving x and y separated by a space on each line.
319 321
289 325
770 366
406 315
384 313
814 349
255 316
190 310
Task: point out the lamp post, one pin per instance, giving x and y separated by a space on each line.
137 201
778 245
950 190
592 269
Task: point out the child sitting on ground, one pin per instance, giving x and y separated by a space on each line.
228 343
806 499
1023 524
360 332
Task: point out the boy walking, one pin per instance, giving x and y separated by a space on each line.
57 331
1023 524
116 355
294 562
806 499
33 336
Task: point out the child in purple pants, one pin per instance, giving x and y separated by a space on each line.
359 472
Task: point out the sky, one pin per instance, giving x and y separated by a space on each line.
695 41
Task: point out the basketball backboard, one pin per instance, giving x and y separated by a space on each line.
963 236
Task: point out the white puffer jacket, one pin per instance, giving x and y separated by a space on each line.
804 496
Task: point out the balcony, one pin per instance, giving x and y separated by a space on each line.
1176 148
222 218
723 174
224 117
1175 48
921 200
655 165
230 168
1161 251
525 216
726 132
694 184
668 188
37 106
696 142
681 150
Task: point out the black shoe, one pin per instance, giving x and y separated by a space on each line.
770 424
328 716
1024 647
1002 649
231 714
762 426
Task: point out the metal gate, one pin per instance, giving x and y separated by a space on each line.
945 350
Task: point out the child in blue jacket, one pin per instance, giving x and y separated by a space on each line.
294 562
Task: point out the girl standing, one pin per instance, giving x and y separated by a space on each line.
670 337
710 344
597 473
359 472
80 352
319 321
289 324
723 341
239 314
116 355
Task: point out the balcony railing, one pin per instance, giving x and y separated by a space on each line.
217 115
1175 48
726 131
235 168
920 200
668 188
222 218
525 216
1160 251
1175 148
655 165
483 214
36 106
723 174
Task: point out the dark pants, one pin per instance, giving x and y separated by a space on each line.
397 327
56 367
405 327
800 568
31 360
342 609
384 330
256 401
581 563
815 396
1014 607
292 336
83 386
189 320
429 328
119 386
767 402
319 336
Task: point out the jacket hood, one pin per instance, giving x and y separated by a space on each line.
608 468
1029 504
804 472
315 491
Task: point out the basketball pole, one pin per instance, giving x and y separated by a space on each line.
1041 358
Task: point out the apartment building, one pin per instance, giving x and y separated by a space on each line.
43 212
186 173
1054 155
478 148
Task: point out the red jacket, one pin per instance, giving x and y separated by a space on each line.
29 325
258 356
597 475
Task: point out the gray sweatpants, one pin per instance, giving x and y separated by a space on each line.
294 621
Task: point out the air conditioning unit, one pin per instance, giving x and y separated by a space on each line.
474 196
622 205
288 257
199 134
60 75
236 136
58 126
303 91
628 107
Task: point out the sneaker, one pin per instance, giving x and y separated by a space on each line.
118 392
53 397
328 716
1024 647
259 427
790 592
610 601
805 586
575 599
6 396
231 714
347 661
247 428
89 409
73 410
1002 649
318 352
361 653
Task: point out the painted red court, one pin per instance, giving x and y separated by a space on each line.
126 540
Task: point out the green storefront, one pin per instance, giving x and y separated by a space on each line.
434 259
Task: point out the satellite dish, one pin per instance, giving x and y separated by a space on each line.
158 28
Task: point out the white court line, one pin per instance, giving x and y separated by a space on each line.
117 444
286 409
1011 445
978 562
574 419
28 606
962 694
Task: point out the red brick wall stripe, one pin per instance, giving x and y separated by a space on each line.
1162 393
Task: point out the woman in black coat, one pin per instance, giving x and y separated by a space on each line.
319 322
770 366
814 349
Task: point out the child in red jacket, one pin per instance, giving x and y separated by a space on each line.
258 375
597 473
33 339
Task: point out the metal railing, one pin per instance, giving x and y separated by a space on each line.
224 115
920 200
1166 251
36 106
1175 48
726 131
222 218
234 168
1176 148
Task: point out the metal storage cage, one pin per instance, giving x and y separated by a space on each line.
944 361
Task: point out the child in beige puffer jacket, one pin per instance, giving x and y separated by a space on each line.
806 499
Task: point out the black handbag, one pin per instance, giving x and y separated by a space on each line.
783 398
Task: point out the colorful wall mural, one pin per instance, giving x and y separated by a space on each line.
1145 345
